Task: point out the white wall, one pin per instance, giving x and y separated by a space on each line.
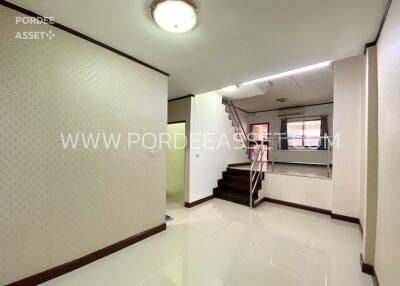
315 192
58 205
180 110
208 118
387 254
274 121
348 89
320 157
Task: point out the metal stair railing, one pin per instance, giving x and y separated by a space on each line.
326 140
256 170
237 123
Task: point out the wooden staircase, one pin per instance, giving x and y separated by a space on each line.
235 187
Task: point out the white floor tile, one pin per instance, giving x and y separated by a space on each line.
222 243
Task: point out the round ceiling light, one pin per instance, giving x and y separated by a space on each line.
175 16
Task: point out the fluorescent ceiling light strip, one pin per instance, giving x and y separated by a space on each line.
295 71
230 88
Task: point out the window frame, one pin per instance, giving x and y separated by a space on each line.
302 146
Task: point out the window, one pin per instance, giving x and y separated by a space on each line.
305 133
258 132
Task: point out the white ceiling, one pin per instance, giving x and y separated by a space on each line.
235 40
306 88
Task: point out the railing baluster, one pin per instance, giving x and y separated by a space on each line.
256 171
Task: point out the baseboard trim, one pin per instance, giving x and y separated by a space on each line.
195 203
256 204
298 206
366 268
369 269
82 261
346 218
316 210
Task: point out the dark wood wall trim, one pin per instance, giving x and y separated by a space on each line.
267 110
239 164
345 218
176 122
182 97
314 209
82 261
378 35
366 268
195 203
298 206
369 269
80 35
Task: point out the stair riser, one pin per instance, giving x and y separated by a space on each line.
242 173
231 191
227 197
240 181
235 189
235 186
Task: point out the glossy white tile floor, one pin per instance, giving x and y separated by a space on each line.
222 243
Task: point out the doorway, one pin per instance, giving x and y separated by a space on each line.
176 163
258 135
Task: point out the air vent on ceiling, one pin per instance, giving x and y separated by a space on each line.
291 111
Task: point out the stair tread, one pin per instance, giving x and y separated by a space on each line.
243 199
236 187
237 179
242 173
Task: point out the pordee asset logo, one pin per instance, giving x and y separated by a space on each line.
34 35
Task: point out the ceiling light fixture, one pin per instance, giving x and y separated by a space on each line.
175 16
230 88
292 72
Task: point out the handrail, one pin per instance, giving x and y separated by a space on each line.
237 124
237 116
254 174
232 109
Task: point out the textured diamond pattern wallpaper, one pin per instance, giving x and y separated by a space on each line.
57 205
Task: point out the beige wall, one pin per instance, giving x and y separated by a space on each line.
387 254
181 110
57 205
314 192
348 91
369 156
